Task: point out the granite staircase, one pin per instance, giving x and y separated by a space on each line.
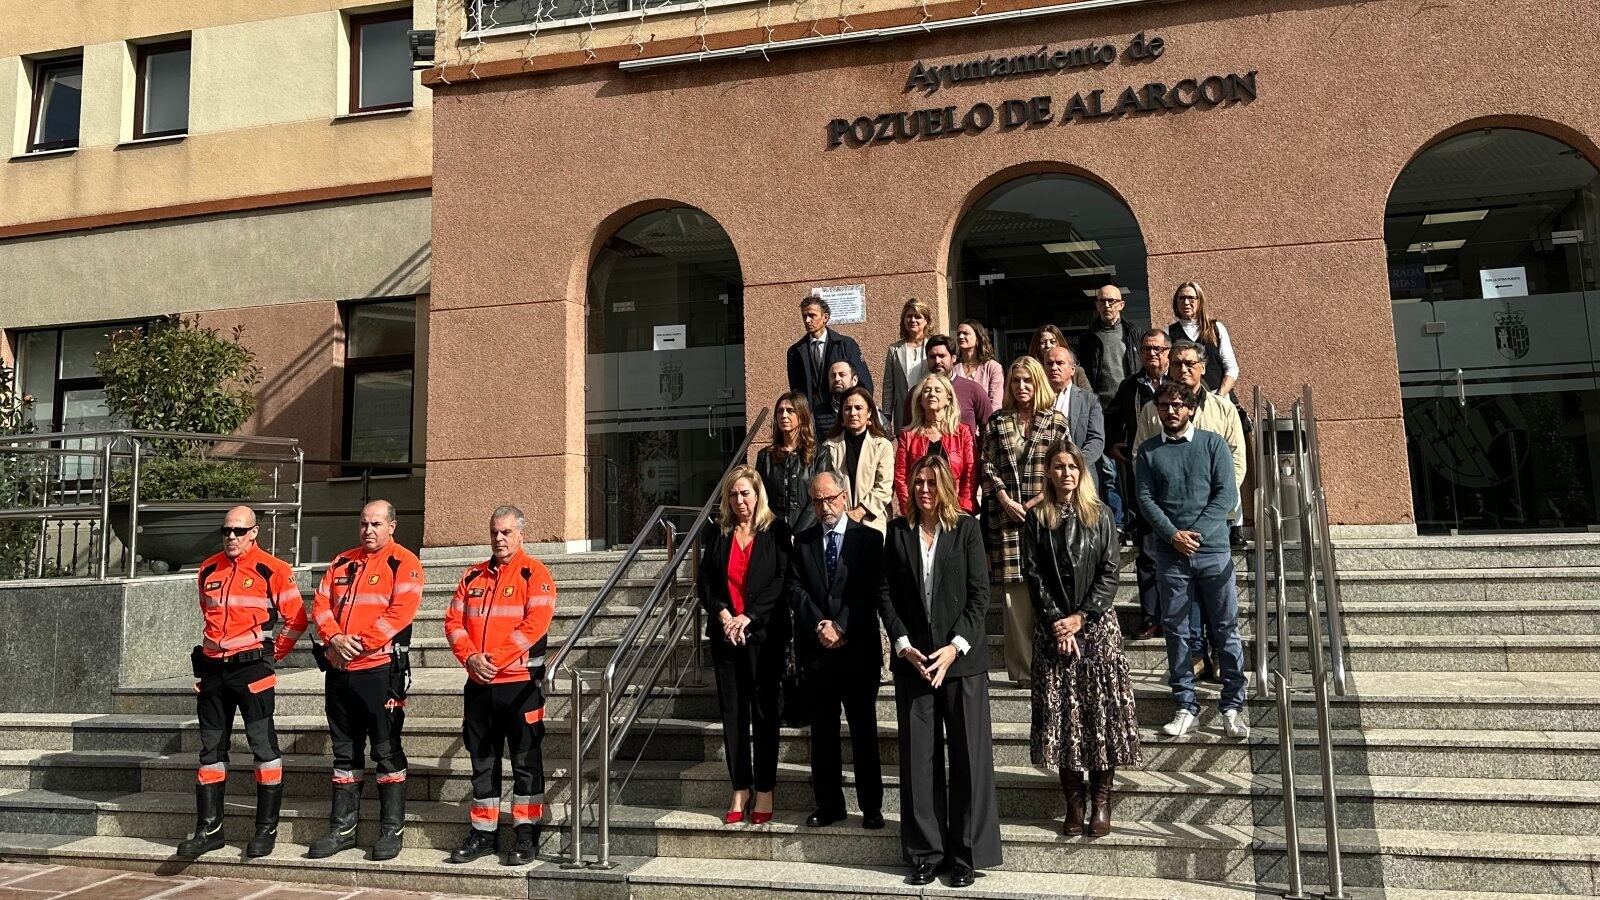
1467 757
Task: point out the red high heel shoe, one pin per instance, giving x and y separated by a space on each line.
760 818
733 817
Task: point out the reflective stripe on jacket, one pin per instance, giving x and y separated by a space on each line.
504 612
241 599
372 597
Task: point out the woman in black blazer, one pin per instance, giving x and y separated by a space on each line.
741 586
934 600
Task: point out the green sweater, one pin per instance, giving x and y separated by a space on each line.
1187 486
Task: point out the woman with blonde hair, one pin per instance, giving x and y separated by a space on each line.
741 588
1083 713
1014 444
936 428
1192 322
976 360
906 361
934 603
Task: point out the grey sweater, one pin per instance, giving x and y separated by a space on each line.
1187 486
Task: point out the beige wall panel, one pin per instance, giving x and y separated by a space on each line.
244 163
299 347
75 23
264 73
13 108
377 247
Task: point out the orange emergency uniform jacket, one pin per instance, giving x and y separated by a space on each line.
504 612
241 600
371 597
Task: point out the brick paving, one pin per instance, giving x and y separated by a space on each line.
30 881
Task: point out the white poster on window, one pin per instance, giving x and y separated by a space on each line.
671 337
1510 282
847 301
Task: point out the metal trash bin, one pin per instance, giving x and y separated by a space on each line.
1286 442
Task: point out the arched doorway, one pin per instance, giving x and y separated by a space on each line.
1036 250
1491 242
665 368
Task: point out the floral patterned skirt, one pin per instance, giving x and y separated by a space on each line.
1083 715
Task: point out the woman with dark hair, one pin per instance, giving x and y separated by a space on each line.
1083 714
936 428
976 360
1046 337
787 465
1014 442
741 587
934 601
858 448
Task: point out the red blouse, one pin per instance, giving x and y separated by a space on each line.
959 450
738 566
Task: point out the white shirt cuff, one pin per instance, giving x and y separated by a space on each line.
900 644
961 644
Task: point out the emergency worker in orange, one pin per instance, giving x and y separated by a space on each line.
363 611
244 593
497 625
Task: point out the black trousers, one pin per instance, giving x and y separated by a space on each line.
224 689
747 693
955 819
494 716
1144 567
833 684
361 713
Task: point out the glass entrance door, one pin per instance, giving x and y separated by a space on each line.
665 369
1491 245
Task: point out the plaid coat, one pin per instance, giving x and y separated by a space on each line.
1021 476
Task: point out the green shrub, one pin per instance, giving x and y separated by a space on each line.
186 477
21 480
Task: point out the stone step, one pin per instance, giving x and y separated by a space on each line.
1430 617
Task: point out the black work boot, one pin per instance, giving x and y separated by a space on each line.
269 801
391 819
525 847
208 821
478 843
341 822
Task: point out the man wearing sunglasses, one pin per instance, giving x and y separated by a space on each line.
363 609
244 593
833 586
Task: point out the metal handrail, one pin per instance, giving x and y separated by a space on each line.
128 444
659 626
1318 577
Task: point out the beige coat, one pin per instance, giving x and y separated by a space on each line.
872 483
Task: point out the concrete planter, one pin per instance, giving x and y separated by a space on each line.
170 540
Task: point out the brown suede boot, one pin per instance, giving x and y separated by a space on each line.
1100 811
1073 785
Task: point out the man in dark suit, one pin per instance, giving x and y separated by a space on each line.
833 590
1081 407
812 355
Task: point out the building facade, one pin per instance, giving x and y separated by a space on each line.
1381 200
264 165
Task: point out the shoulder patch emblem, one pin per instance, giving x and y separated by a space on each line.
508 590
248 582
372 579
545 587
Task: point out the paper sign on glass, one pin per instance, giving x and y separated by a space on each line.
671 337
1511 282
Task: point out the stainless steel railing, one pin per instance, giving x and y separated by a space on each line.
83 491
668 622
1289 452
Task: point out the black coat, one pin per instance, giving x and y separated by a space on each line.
1122 416
1089 349
960 601
850 601
806 378
1087 583
765 601
788 485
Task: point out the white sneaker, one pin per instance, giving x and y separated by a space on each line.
1234 725
1181 724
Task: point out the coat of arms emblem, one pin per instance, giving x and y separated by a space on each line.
671 381
1511 334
